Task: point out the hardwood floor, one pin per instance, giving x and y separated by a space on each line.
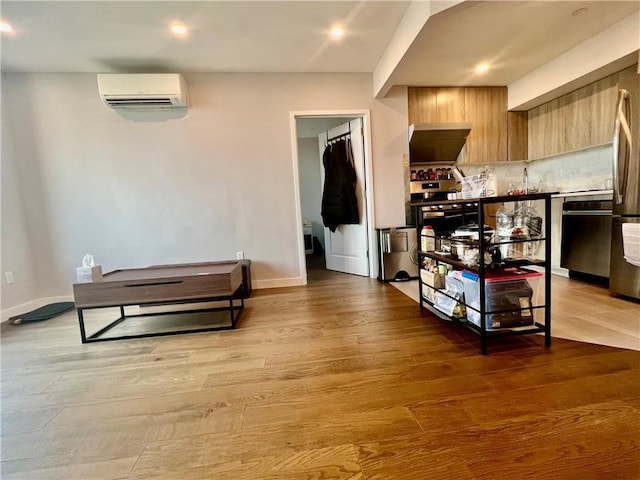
588 313
342 379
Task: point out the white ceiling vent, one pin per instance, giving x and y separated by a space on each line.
143 91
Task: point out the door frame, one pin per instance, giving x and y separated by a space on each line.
365 114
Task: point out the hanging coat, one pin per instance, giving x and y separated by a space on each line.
339 201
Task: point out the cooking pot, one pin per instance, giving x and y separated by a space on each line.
464 242
461 245
471 231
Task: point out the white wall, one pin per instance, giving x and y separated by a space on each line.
193 189
15 246
390 123
310 184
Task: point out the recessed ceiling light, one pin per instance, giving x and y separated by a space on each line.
482 68
178 28
337 32
5 27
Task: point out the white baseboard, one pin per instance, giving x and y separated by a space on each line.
562 272
279 282
32 305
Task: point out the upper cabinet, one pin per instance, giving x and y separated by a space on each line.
517 141
486 110
579 119
436 105
484 107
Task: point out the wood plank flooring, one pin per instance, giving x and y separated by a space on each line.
342 379
587 312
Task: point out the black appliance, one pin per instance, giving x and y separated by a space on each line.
586 237
510 303
445 218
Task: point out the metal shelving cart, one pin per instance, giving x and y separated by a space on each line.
522 224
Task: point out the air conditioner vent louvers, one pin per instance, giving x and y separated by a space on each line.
138 101
144 91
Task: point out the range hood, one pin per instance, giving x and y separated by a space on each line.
437 142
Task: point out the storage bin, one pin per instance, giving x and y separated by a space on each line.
479 185
510 294
450 300
308 239
432 279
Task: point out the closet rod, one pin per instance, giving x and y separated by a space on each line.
348 134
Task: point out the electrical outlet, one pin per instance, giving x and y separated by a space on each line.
240 255
9 277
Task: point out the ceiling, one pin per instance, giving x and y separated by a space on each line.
292 36
232 36
515 37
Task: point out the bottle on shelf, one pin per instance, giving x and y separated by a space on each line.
427 239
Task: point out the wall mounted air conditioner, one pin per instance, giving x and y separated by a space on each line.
143 91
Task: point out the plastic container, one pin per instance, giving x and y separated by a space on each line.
510 294
450 302
427 239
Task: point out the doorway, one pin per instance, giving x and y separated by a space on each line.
307 130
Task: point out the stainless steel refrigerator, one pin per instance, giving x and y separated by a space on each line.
624 277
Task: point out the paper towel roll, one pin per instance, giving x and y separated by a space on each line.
631 243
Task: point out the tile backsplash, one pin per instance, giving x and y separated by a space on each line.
578 170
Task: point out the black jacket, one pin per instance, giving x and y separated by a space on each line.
339 202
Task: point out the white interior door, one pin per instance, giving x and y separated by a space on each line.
346 249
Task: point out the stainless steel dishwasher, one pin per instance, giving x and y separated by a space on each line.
586 237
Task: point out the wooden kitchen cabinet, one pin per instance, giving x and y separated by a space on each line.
517 138
486 110
450 105
422 105
436 105
484 107
579 119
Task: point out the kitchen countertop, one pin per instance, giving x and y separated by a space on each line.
582 193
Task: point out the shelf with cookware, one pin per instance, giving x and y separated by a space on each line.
486 262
